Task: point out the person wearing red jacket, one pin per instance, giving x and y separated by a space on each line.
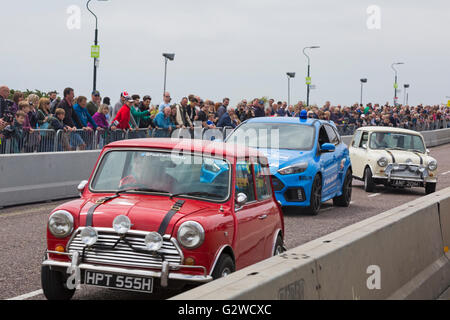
122 119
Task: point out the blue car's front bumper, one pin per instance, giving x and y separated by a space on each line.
293 189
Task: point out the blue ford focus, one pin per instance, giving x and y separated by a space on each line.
309 162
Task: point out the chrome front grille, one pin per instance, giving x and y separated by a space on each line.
406 171
122 254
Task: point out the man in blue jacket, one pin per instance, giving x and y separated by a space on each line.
225 120
83 114
164 125
84 117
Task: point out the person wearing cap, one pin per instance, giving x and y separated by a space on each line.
94 104
258 108
122 119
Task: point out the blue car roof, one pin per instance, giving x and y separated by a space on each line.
289 120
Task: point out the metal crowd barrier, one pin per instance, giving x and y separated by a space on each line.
51 141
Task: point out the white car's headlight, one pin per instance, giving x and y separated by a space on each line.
122 224
60 224
293 169
432 165
191 234
89 236
153 241
383 162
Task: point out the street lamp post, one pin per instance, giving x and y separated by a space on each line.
406 86
308 78
171 57
395 82
95 42
362 83
290 75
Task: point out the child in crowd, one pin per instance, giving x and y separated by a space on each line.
15 132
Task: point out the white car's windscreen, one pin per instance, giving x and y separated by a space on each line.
400 141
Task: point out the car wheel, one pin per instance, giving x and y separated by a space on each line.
316 197
279 248
430 188
224 267
54 286
369 185
346 197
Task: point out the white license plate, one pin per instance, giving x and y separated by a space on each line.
117 281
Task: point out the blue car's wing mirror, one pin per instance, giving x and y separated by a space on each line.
327 147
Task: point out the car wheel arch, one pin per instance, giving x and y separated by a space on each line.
224 250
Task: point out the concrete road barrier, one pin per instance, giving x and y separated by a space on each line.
399 254
28 178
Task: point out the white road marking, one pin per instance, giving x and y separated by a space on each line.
445 173
27 295
374 195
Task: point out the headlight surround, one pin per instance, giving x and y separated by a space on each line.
89 236
122 224
432 165
293 169
153 241
383 162
191 234
60 224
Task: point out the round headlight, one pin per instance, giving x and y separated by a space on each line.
383 162
153 241
89 236
122 224
432 165
191 234
60 224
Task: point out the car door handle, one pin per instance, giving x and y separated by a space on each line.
264 216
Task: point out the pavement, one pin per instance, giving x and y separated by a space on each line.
23 235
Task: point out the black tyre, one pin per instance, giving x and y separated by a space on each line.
346 197
369 185
224 267
54 286
430 188
279 248
316 197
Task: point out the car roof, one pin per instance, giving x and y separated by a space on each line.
389 129
216 148
289 120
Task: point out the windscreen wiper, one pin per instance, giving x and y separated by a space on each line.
142 190
196 193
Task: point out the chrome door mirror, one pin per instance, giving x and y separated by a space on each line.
241 199
81 186
428 151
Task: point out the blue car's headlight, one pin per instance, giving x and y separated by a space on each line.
293 169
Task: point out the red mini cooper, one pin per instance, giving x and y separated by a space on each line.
163 213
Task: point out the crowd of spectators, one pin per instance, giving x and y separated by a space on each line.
20 116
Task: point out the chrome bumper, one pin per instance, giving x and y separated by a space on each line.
390 178
75 266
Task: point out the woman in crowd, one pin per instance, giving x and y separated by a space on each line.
43 113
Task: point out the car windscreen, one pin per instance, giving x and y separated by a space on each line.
394 140
274 136
163 172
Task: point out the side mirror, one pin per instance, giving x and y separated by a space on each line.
327 147
81 186
364 146
241 199
428 151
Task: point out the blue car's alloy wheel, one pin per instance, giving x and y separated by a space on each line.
346 197
316 196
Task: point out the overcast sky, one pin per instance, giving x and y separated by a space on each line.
234 48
